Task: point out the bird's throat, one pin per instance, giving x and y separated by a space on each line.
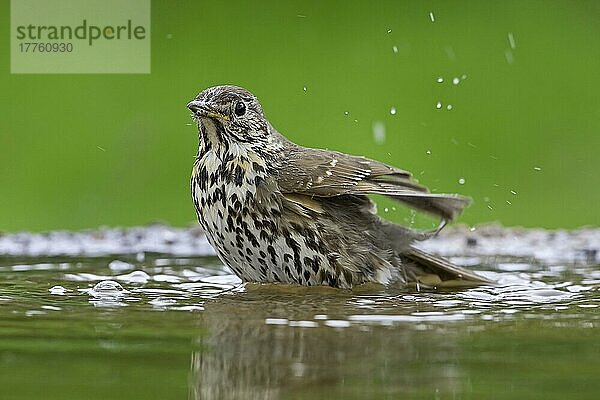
211 135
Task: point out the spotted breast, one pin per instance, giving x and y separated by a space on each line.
279 212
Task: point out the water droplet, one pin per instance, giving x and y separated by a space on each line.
395 49
378 132
393 110
461 181
513 192
304 88
431 16
537 168
428 152
449 107
472 229
490 207
107 289
463 77
440 79
508 202
346 113
456 81
356 121
509 56
108 286
438 105
386 209
511 40
389 31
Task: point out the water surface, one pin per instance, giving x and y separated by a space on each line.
159 327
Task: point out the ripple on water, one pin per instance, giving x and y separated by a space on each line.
303 324
415 317
513 267
337 323
276 321
51 308
162 302
119 266
159 282
271 334
58 290
166 278
135 277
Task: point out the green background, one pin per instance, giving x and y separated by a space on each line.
81 151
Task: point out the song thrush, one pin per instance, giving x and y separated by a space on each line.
278 212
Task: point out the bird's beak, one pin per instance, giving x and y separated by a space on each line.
203 109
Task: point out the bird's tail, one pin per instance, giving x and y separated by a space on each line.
440 270
417 265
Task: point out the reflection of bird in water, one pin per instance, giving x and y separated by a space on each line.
246 356
278 212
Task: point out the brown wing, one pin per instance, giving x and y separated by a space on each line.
325 173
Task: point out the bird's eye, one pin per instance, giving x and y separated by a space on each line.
240 108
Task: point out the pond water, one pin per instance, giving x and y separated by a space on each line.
158 326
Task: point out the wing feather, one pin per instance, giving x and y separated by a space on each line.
326 173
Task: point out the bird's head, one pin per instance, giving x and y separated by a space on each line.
229 113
